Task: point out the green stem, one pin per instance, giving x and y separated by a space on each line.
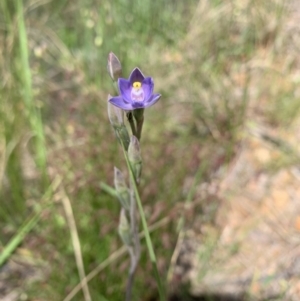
19 237
108 189
138 115
131 122
28 225
34 113
139 128
145 227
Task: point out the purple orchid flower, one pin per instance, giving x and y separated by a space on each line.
136 92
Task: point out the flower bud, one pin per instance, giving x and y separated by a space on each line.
135 158
124 229
114 67
122 189
116 118
123 135
115 114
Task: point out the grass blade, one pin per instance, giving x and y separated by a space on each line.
18 238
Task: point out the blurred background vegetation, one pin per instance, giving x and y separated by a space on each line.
216 63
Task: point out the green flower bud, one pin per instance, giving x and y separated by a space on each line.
116 118
115 114
122 189
114 66
124 229
135 158
123 135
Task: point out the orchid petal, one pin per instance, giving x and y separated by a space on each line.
154 98
148 86
119 102
136 76
125 89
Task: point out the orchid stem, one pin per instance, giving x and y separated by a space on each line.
129 286
131 122
140 123
145 227
135 251
138 115
133 266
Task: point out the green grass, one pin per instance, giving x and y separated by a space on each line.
53 119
